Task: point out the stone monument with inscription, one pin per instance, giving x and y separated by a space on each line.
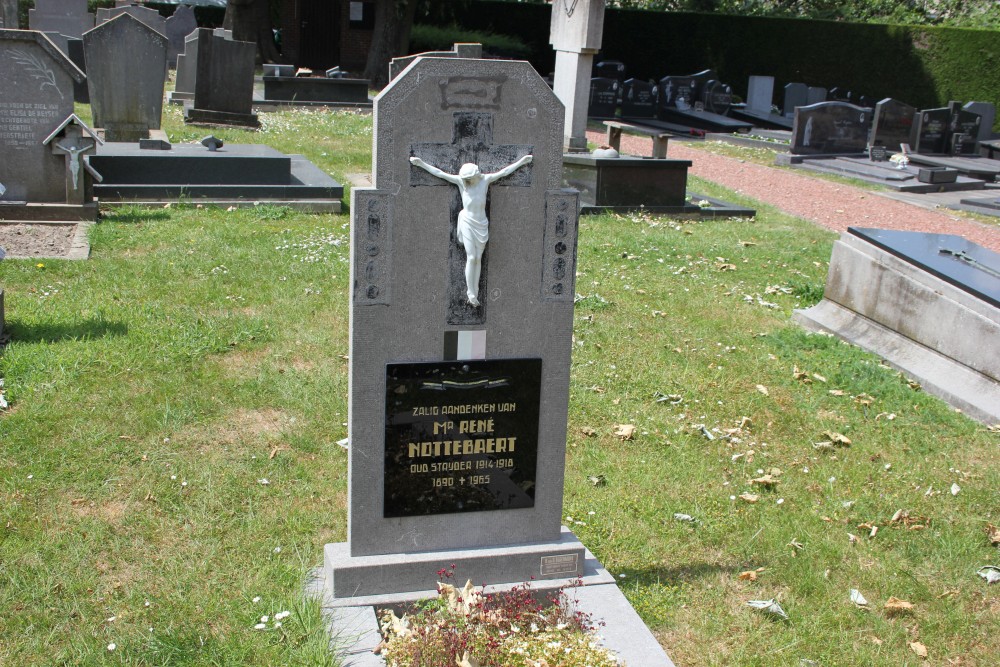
66 17
575 33
459 380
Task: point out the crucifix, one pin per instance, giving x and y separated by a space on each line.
471 150
73 143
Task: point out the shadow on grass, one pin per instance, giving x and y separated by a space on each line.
134 214
42 332
672 575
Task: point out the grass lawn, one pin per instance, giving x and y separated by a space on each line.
169 470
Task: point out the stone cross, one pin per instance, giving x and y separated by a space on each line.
73 139
575 34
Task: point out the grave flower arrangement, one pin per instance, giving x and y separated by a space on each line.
468 628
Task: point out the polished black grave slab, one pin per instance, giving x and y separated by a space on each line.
962 263
461 436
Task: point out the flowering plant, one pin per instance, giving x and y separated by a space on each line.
468 628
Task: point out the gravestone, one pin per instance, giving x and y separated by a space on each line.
840 94
458 411
830 128
965 127
149 17
796 95
716 96
987 111
223 89
73 141
67 17
397 65
178 26
603 97
639 99
575 32
126 65
8 15
932 131
611 69
815 95
760 93
892 124
187 65
36 95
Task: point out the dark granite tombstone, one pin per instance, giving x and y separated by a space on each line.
36 95
830 128
815 95
223 91
678 92
760 93
988 112
931 131
964 132
178 26
67 17
796 95
126 65
603 100
716 96
627 183
686 100
610 69
639 99
840 94
892 124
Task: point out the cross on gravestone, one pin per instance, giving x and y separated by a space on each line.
471 143
74 139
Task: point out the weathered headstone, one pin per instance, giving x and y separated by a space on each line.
892 124
830 128
67 17
458 411
575 33
639 99
126 65
8 15
603 97
760 94
36 95
796 95
178 26
149 17
223 89
397 65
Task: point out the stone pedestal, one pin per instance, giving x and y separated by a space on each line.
575 34
628 183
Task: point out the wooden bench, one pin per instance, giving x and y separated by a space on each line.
616 127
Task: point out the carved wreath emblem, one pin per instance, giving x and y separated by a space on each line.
36 68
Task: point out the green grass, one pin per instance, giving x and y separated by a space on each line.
199 352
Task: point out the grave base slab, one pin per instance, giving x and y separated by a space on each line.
901 312
627 183
195 116
48 212
354 629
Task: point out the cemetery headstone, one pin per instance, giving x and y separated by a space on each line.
987 111
796 95
931 132
126 65
815 95
964 129
678 92
145 15
8 15
892 124
603 97
611 69
639 99
458 50
458 410
187 65
36 95
67 17
760 93
830 128
178 26
716 96
840 94
223 89
73 140
575 33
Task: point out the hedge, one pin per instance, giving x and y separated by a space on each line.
920 65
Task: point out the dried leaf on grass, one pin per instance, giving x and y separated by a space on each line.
766 481
895 606
625 431
749 497
993 534
919 649
588 431
762 389
991 573
838 439
687 518
858 599
769 607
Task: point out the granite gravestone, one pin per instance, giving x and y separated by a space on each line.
760 92
965 127
223 88
603 97
67 17
892 124
178 26
947 130
716 96
639 99
815 95
149 17
458 411
126 66
611 69
830 128
987 111
397 65
36 95
796 95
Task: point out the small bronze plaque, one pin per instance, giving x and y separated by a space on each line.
461 436
562 564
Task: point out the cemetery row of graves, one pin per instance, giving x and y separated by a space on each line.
225 434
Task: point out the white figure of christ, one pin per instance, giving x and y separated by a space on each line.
473 228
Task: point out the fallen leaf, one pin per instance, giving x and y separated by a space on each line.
597 480
819 377
749 497
837 392
993 534
991 573
795 544
749 575
767 481
857 598
863 399
588 431
837 438
625 431
896 606
955 488
762 389
919 649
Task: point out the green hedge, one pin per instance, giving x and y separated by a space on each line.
923 66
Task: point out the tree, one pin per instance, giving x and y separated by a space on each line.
250 21
390 37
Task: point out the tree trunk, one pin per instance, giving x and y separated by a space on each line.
250 21
390 38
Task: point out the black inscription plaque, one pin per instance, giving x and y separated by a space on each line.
461 436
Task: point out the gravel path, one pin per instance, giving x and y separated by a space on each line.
831 205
